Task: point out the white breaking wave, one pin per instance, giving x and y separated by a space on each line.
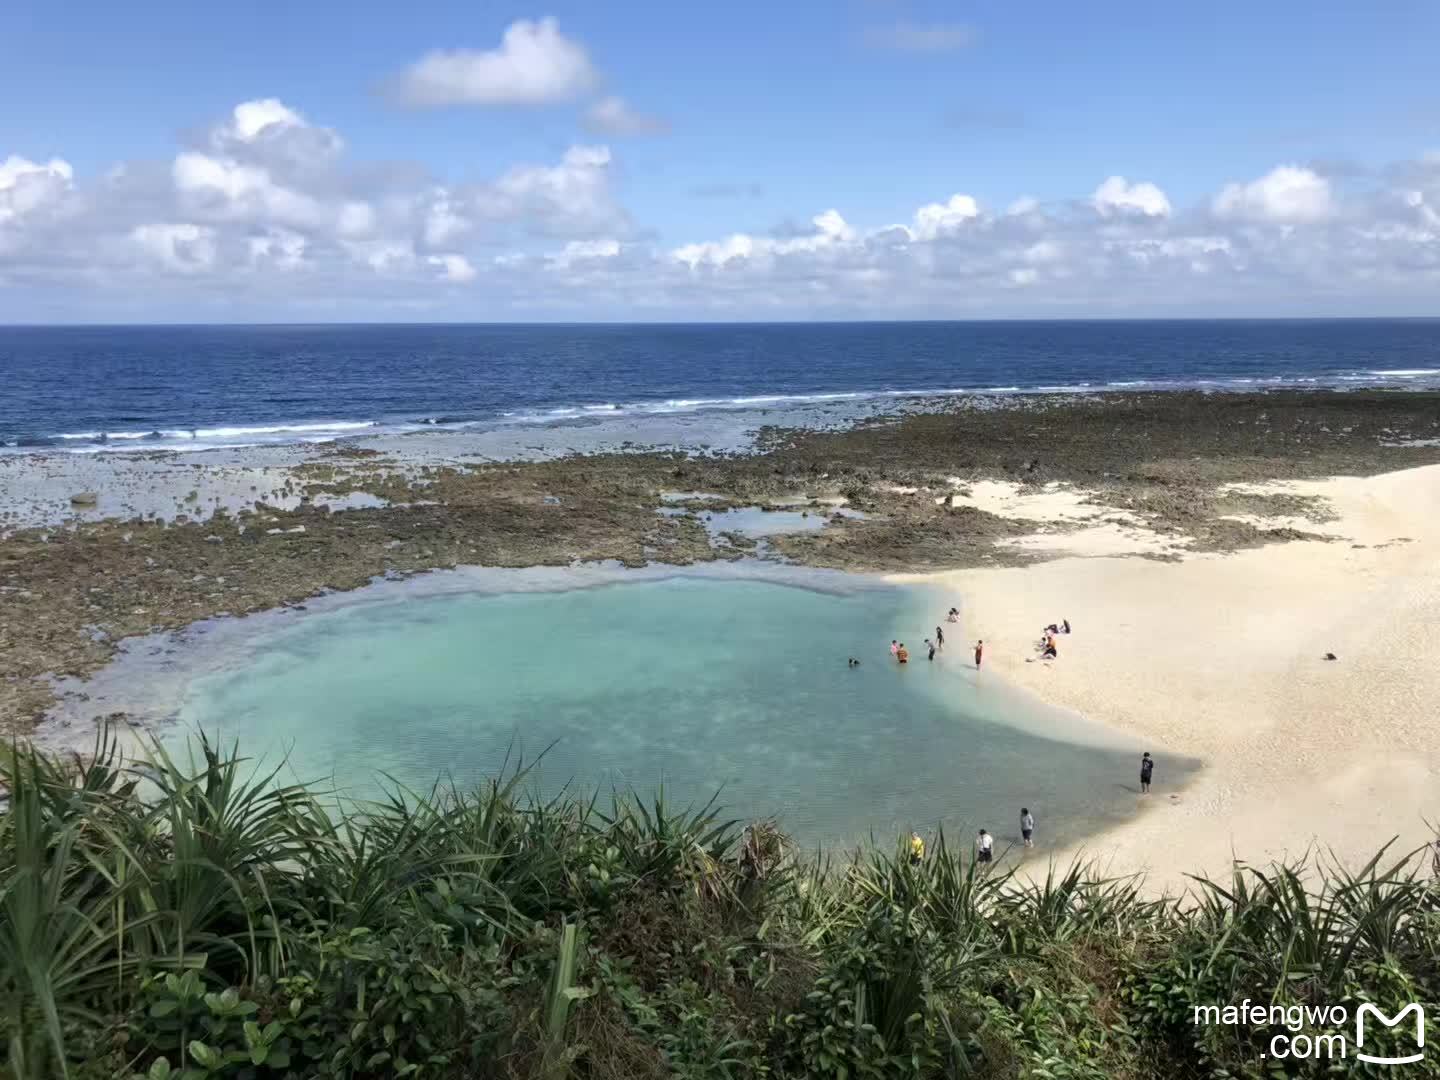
319 427
234 436
280 429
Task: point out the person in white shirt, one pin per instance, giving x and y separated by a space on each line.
984 847
1027 826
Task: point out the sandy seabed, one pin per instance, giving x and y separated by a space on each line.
1221 657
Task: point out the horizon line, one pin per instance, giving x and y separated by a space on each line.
1058 320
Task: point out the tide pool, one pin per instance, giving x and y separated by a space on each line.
700 683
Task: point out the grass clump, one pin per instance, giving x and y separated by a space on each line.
204 920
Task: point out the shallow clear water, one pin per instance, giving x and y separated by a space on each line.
757 522
704 685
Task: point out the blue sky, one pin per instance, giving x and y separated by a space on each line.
738 118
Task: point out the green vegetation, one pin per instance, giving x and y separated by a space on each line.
209 922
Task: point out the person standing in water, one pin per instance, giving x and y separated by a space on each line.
979 653
939 639
902 654
894 646
1147 767
984 846
931 646
1027 826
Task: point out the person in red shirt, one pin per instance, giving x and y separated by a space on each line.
902 654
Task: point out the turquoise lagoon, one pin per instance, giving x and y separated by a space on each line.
702 682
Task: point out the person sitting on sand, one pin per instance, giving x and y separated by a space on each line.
954 615
984 846
902 654
1050 652
1052 629
1065 626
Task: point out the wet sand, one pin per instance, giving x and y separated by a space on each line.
1221 657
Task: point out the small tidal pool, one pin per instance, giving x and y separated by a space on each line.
698 683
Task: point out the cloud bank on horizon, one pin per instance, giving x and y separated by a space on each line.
265 214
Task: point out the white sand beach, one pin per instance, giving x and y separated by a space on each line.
1221 657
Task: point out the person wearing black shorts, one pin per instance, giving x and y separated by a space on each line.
1027 826
1147 767
984 847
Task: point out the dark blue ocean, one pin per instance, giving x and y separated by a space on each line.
186 387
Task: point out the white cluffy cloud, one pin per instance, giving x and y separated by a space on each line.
252 118
830 230
260 216
535 64
1118 196
26 185
936 218
453 267
184 248
1288 195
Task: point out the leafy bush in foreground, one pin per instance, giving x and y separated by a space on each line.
158 920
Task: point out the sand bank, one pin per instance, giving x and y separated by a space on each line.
1221 657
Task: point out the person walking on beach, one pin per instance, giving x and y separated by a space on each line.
979 653
984 847
939 639
902 654
1147 766
931 646
1027 826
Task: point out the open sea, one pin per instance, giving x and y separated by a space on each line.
91 388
